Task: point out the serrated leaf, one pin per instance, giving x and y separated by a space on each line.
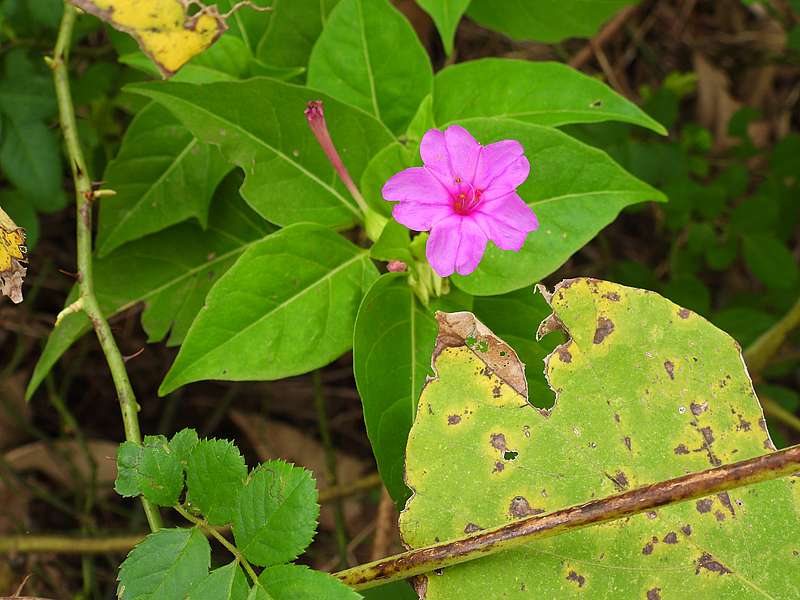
646 391
369 56
215 474
544 21
224 583
162 175
182 444
446 14
298 582
170 272
164 29
544 93
165 565
288 177
297 314
258 593
276 513
150 469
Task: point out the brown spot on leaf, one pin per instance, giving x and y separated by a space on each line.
496 391
604 328
648 547
627 441
743 425
768 445
472 528
706 561
681 449
453 420
616 417
684 313
498 441
520 507
671 538
704 505
579 579
708 435
613 296
669 368
651 514
687 529
498 467
654 594
763 424
726 502
564 354
698 409
719 515
619 480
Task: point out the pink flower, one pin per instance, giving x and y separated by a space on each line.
465 194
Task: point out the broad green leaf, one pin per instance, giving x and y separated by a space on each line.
162 175
298 582
288 177
165 565
770 260
170 272
25 93
276 513
30 159
23 213
215 474
392 159
150 469
284 35
257 592
400 590
393 244
286 307
182 444
646 391
544 93
544 20
392 342
369 56
224 583
446 14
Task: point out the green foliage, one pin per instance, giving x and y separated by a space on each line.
349 61
224 583
151 470
446 14
215 474
165 565
297 582
646 391
276 513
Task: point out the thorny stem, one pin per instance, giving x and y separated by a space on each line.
688 487
209 530
84 196
330 466
759 353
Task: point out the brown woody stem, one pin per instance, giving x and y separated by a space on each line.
688 487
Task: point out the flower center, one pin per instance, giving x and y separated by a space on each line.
465 197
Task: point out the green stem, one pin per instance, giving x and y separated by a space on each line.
524 531
209 530
330 466
84 196
759 353
777 412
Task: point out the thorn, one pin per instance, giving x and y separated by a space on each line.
50 62
104 193
134 355
75 307
70 274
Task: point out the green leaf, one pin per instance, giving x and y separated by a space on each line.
646 391
288 177
25 93
446 14
276 514
400 590
284 35
770 260
544 21
182 444
393 244
369 56
215 475
30 159
162 175
165 565
286 307
170 272
23 213
224 583
258 593
151 470
298 582
543 93
392 159
575 190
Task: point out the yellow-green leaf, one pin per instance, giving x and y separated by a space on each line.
646 391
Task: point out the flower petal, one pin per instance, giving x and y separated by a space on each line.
495 159
464 151
420 216
456 244
506 221
433 151
514 175
416 184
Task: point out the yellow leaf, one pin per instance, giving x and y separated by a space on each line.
13 257
165 30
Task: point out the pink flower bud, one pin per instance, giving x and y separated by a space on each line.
396 266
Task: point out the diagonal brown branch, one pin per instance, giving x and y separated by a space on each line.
688 487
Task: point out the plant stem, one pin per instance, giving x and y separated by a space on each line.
209 530
759 353
84 196
777 412
330 466
68 544
688 487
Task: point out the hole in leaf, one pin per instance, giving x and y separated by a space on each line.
510 455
